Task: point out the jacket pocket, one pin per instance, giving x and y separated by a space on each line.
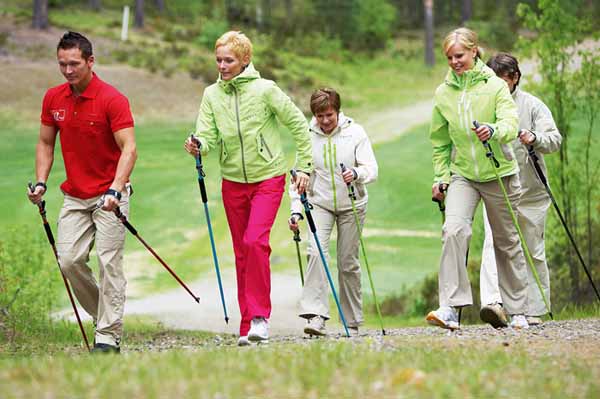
223 155
508 152
263 148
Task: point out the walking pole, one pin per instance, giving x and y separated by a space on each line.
42 208
133 231
202 186
352 196
313 228
544 181
297 240
495 164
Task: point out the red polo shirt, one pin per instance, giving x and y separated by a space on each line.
86 124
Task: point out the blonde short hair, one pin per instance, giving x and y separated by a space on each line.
240 44
463 36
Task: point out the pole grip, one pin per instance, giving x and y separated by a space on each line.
49 233
203 191
349 185
488 148
125 222
536 165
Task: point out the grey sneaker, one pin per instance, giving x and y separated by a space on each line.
315 326
444 317
259 330
494 315
243 341
534 320
518 321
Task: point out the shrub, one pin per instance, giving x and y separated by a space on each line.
29 284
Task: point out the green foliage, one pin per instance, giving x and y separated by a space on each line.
212 29
373 23
29 284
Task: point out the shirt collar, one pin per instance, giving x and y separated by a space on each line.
90 91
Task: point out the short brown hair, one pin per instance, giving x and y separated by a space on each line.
324 98
505 64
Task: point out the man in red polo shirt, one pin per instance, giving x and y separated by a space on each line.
98 147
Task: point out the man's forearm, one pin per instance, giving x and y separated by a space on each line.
124 167
44 158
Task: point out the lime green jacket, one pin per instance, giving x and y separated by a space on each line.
242 119
478 94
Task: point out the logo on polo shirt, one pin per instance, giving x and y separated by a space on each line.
58 114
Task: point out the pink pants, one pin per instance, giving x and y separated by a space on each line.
251 209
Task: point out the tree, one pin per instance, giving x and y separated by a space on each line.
467 11
160 5
96 5
429 54
40 14
139 14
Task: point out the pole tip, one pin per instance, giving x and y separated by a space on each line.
383 332
226 320
551 315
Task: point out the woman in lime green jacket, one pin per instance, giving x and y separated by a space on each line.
241 118
473 92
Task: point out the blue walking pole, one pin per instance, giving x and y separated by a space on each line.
313 228
202 186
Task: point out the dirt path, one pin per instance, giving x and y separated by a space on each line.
176 309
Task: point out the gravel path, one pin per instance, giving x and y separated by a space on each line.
554 337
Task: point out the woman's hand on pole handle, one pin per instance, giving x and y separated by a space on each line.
192 146
293 223
348 175
483 132
301 182
438 190
526 137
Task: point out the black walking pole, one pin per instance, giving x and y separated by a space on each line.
297 240
133 231
495 165
202 187
313 228
540 175
441 205
42 208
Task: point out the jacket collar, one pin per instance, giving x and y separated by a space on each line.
343 122
479 72
248 74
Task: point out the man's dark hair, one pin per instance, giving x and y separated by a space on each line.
505 65
75 40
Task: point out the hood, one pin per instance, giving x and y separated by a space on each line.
479 72
343 122
248 74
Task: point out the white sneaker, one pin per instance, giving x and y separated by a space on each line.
259 330
243 341
494 315
445 317
353 331
518 321
534 320
315 326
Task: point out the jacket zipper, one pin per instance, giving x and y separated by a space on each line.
237 116
331 169
264 143
466 124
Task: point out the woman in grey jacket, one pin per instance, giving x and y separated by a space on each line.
336 139
537 129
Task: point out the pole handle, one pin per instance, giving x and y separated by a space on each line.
351 192
488 148
125 222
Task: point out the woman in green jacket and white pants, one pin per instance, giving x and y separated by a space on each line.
473 92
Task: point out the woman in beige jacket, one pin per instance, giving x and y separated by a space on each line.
336 139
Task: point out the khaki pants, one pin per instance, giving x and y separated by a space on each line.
532 220
315 294
461 203
79 228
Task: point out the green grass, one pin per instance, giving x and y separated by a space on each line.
211 366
